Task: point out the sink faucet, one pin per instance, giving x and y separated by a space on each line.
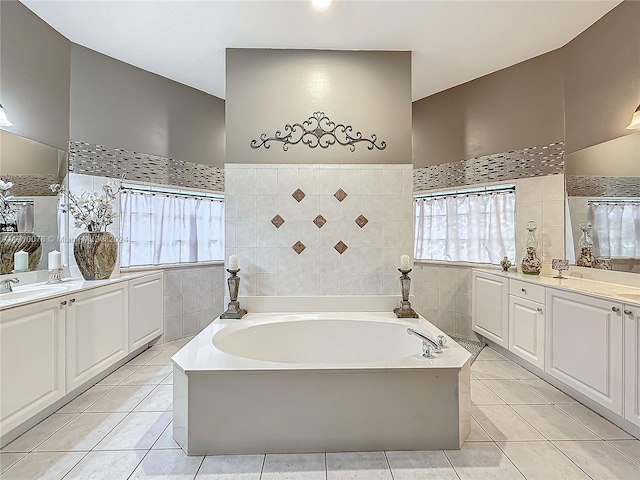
5 285
429 345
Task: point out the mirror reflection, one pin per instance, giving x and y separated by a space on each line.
603 189
28 208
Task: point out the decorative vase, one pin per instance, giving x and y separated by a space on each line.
531 264
12 242
586 246
95 254
506 264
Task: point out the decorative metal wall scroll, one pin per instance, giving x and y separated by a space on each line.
318 130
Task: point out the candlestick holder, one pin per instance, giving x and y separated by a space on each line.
55 275
233 310
405 310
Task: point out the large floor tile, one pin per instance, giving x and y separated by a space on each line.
600 460
432 465
82 433
514 392
553 423
106 465
8 459
541 461
503 424
358 466
483 369
163 359
159 400
167 465
631 448
489 353
119 375
39 433
310 466
481 395
231 467
139 430
86 399
482 461
516 370
122 398
477 434
43 466
148 375
144 357
166 441
548 391
590 419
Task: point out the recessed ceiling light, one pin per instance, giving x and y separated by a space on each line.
322 4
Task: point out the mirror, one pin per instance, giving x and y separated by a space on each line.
29 221
603 189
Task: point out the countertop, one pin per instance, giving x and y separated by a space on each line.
35 292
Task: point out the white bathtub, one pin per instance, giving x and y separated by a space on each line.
318 382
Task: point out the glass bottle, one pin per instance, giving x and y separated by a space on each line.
531 264
586 246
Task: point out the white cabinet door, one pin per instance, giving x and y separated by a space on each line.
526 330
31 360
146 309
97 334
490 306
632 364
584 345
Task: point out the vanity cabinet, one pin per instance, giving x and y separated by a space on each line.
32 347
97 335
490 307
145 309
526 323
631 315
585 345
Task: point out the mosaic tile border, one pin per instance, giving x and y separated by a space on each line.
528 162
93 159
32 185
582 186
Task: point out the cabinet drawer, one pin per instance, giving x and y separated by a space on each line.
527 290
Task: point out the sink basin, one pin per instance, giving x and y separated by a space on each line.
629 296
32 291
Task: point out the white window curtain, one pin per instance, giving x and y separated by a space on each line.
616 228
162 228
478 228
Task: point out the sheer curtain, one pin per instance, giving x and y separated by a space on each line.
616 228
159 228
470 228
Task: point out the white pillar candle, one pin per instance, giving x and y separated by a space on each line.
55 260
21 261
405 264
233 262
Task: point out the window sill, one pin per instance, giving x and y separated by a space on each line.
169 266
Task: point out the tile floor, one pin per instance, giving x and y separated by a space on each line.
522 427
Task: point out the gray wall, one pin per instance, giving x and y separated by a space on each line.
34 76
266 89
619 157
119 105
602 78
514 108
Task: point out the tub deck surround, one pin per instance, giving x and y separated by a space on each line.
352 381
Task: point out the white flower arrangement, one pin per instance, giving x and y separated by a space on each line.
8 210
91 210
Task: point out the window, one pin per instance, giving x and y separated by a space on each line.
616 227
163 226
475 225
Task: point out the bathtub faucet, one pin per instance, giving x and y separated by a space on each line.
429 345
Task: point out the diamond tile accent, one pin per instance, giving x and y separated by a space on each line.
319 221
340 195
362 221
298 247
340 247
298 195
277 221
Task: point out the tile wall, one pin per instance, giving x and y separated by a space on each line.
294 236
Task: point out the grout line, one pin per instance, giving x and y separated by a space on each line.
571 460
512 462
451 463
138 464
388 464
264 459
634 460
75 415
199 467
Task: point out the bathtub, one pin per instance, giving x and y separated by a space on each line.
318 382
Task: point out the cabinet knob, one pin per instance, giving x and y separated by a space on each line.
615 309
628 312
539 309
72 301
524 290
63 303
